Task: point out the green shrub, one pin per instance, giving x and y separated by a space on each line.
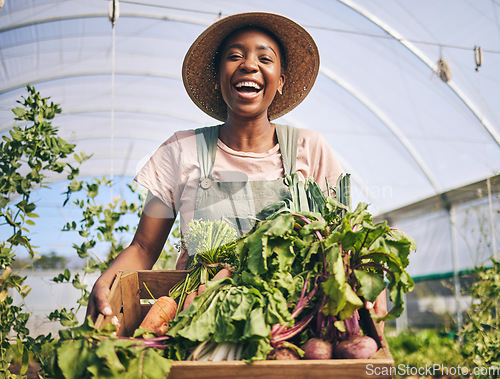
481 333
424 349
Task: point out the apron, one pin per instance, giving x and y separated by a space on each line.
239 201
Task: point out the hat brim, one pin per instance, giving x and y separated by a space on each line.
301 54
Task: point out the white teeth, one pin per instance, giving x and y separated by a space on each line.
247 84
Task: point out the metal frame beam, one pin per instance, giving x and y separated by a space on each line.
387 122
432 65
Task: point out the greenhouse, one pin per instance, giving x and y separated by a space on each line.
406 97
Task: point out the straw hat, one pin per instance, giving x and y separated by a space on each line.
301 56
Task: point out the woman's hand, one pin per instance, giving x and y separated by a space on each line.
98 304
379 307
98 301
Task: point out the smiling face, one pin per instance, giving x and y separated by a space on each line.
250 73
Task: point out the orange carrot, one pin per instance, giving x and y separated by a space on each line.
158 317
201 289
189 299
223 273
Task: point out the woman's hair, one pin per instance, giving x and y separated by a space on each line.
218 53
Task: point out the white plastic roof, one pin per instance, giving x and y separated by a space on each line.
401 131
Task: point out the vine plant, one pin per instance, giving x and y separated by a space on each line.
30 155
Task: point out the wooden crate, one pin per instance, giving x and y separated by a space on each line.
128 290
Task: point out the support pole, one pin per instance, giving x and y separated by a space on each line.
495 254
454 257
114 13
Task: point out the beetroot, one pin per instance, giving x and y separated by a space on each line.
316 348
284 354
356 347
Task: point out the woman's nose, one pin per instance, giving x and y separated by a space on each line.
249 64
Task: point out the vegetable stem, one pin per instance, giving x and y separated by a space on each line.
293 331
307 221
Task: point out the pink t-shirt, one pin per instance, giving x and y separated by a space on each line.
172 174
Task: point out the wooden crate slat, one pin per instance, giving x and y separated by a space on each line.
159 282
342 368
115 301
131 307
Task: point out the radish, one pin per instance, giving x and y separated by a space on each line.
316 348
355 347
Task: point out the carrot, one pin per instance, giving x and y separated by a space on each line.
223 273
189 299
201 289
162 311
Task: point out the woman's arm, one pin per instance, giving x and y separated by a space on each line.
154 227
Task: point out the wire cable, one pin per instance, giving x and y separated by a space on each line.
327 28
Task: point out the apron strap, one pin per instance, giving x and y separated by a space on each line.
206 147
287 139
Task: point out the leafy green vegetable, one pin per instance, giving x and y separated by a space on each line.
213 244
84 352
312 259
227 312
371 255
203 236
352 258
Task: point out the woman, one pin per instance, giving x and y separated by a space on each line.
245 70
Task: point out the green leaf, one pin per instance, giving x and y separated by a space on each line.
340 325
92 190
72 358
25 361
284 252
396 295
353 302
256 325
19 112
336 299
75 185
371 284
149 364
63 277
398 234
9 220
78 284
105 350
